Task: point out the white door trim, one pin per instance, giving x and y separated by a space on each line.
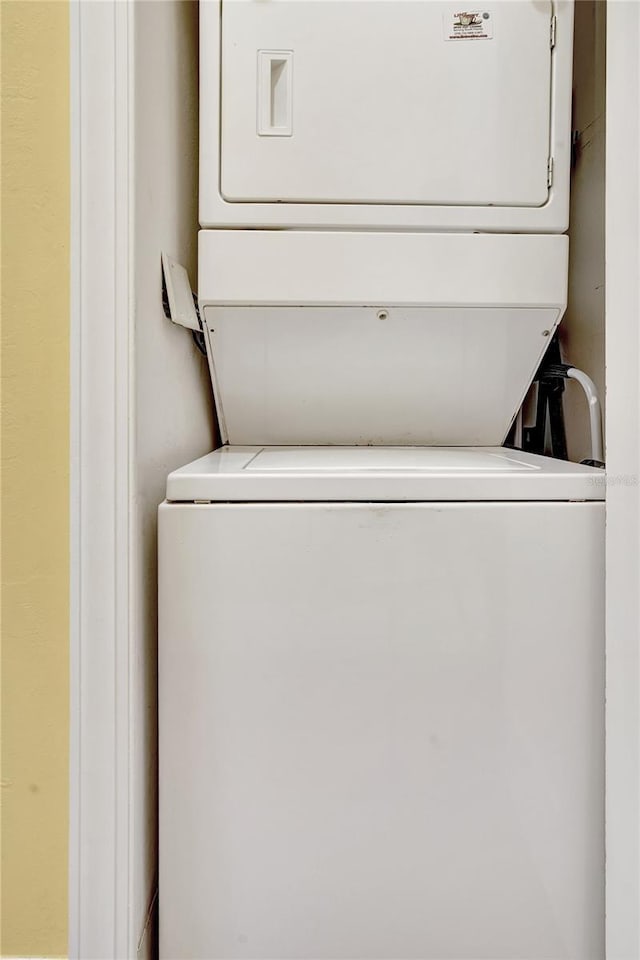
101 414
623 469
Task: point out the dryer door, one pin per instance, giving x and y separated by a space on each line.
386 101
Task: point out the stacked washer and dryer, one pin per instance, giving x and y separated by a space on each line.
381 631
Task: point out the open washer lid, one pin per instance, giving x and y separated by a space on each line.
392 474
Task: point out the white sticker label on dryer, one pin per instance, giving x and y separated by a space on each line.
468 25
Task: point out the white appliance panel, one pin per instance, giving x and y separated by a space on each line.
429 460
367 113
355 338
351 268
369 375
380 105
381 731
393 474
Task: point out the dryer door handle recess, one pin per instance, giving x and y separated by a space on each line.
275 76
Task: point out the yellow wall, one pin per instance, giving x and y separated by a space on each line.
35 476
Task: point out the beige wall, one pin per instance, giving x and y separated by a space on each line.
35 476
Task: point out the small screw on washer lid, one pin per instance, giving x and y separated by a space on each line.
383 314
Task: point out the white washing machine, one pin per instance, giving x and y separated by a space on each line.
381 636
381 706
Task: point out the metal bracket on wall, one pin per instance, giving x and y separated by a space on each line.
179 302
